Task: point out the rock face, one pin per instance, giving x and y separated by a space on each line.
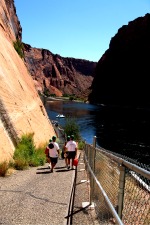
122 74
21 109
59 75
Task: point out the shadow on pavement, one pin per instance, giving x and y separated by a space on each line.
60 167
43 172
43 168
61 170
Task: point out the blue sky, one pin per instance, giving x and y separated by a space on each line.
76 28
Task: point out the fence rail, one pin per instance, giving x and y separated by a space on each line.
119 189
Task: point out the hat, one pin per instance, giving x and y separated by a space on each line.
68 138
72 137
50 140
54 138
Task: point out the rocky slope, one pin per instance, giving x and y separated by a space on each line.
58 75
122 74
21 110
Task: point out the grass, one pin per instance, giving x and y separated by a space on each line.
26 155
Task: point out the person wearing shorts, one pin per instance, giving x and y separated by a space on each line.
47 154
53 153
71 147
66 152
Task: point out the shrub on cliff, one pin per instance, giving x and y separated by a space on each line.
19 47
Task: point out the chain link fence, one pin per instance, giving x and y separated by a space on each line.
119 187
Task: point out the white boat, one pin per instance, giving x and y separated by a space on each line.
60 116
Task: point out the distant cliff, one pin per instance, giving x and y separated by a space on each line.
21 110
59 75
122 73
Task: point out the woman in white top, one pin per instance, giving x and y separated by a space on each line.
53 152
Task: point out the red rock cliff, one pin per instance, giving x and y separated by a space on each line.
59 75
21 110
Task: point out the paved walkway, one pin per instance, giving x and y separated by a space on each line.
36 196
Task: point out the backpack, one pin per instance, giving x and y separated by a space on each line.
47 151
51 145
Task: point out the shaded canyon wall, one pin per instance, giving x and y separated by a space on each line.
122 73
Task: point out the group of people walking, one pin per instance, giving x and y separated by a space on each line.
53 152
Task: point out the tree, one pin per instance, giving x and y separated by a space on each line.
72 128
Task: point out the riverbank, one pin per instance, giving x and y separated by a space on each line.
50 98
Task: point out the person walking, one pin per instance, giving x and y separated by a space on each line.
71 147
53 153
47 154
66 152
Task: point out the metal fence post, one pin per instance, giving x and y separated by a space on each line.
94 141
121 190
93 154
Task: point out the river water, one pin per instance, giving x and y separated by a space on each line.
119 129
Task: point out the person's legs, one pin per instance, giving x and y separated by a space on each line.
72 163
52 166
49 161
68 163
68 160
53 163
72 158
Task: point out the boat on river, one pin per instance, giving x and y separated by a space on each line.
60 116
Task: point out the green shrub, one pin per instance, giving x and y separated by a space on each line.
53 95
71 127
38 158
26 154
19 47
71 98
20 164
81 145
65 95
46 92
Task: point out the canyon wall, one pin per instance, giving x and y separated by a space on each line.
59 75
122 73
21 109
